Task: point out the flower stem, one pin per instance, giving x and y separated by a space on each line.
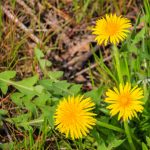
108 126
117 61
127 131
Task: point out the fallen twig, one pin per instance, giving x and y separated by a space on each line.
6 130
14 19
29 11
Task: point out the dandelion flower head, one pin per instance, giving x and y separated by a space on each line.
73 116
125 101
111 28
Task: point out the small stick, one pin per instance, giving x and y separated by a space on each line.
20 25
6 130
3 99
29 11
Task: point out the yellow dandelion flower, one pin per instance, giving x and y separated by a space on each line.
111 29
73 116
125 101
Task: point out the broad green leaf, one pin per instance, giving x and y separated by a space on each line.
42 99
48 112
19 119
95 94
4 77
46 83
139 36
3 112
38 53
40 57
17 98
7 74
35 122
23 100
75 89
6 146
26 86
3 87
102 146
132 48
29 81
115 143
144 147
145 55
148 141
39 89
61 88
30 106
55 74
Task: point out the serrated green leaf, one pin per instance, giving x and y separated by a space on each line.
148 141
30 106
75 89
139 36
38 53
19 119
115 143
26 85
8 74
34 122
39 89
3 87
42 99
144 147
102 147
48 112
61 88
46 83
29 81
17 98
3 112
95 94
55 74
40 57
6 146
4 76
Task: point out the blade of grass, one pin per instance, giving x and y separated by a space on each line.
109 126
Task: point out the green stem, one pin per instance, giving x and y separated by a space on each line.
117 61
127 131
127 68
108 126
